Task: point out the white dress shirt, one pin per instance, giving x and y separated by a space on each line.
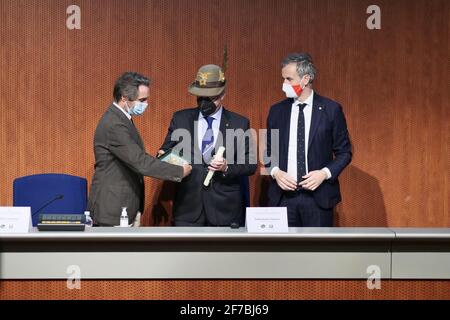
126 113
292 146
203 126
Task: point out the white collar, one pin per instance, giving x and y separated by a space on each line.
124 112
308 101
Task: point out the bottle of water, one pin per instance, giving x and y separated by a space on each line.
124 218
88 218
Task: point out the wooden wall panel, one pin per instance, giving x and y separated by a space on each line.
393 83
226 289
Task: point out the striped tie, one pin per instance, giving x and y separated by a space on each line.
208 141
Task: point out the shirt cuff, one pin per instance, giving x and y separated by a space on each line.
328 172
273 171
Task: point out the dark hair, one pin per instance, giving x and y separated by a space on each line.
127 85
304 64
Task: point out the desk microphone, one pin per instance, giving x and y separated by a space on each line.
219 154
57 197
234 225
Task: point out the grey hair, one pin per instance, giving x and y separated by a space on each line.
304 64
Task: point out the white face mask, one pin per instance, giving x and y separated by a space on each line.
289 91
293 91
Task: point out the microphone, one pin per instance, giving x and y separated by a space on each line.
234 225
57 197
219 154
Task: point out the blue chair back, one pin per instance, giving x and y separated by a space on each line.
50 193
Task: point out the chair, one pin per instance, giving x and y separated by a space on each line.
50 193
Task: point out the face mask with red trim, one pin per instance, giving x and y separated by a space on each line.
292 91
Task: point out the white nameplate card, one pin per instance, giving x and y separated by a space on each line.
266 220
15 219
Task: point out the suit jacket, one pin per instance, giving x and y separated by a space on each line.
120 164
222 200
328 146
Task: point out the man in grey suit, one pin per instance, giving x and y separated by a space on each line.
120 157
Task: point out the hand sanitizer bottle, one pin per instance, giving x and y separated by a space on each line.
124 218
88 219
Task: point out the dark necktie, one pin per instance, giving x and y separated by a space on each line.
301 156
207 141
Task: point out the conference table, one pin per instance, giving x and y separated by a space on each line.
226 253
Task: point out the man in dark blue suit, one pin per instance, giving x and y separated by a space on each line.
207 127
313 148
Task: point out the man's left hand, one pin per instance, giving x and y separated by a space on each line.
137 220
218 164
313 180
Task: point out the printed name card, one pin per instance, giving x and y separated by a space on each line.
266 220
15 219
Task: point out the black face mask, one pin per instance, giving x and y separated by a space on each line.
206 105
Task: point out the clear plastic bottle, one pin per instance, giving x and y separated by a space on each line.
88 218
124 217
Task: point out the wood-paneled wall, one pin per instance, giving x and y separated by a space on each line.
55 84
226 290
393 83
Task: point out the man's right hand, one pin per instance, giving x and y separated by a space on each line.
187 168
285 181
160 153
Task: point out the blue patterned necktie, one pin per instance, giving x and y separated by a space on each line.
208 141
